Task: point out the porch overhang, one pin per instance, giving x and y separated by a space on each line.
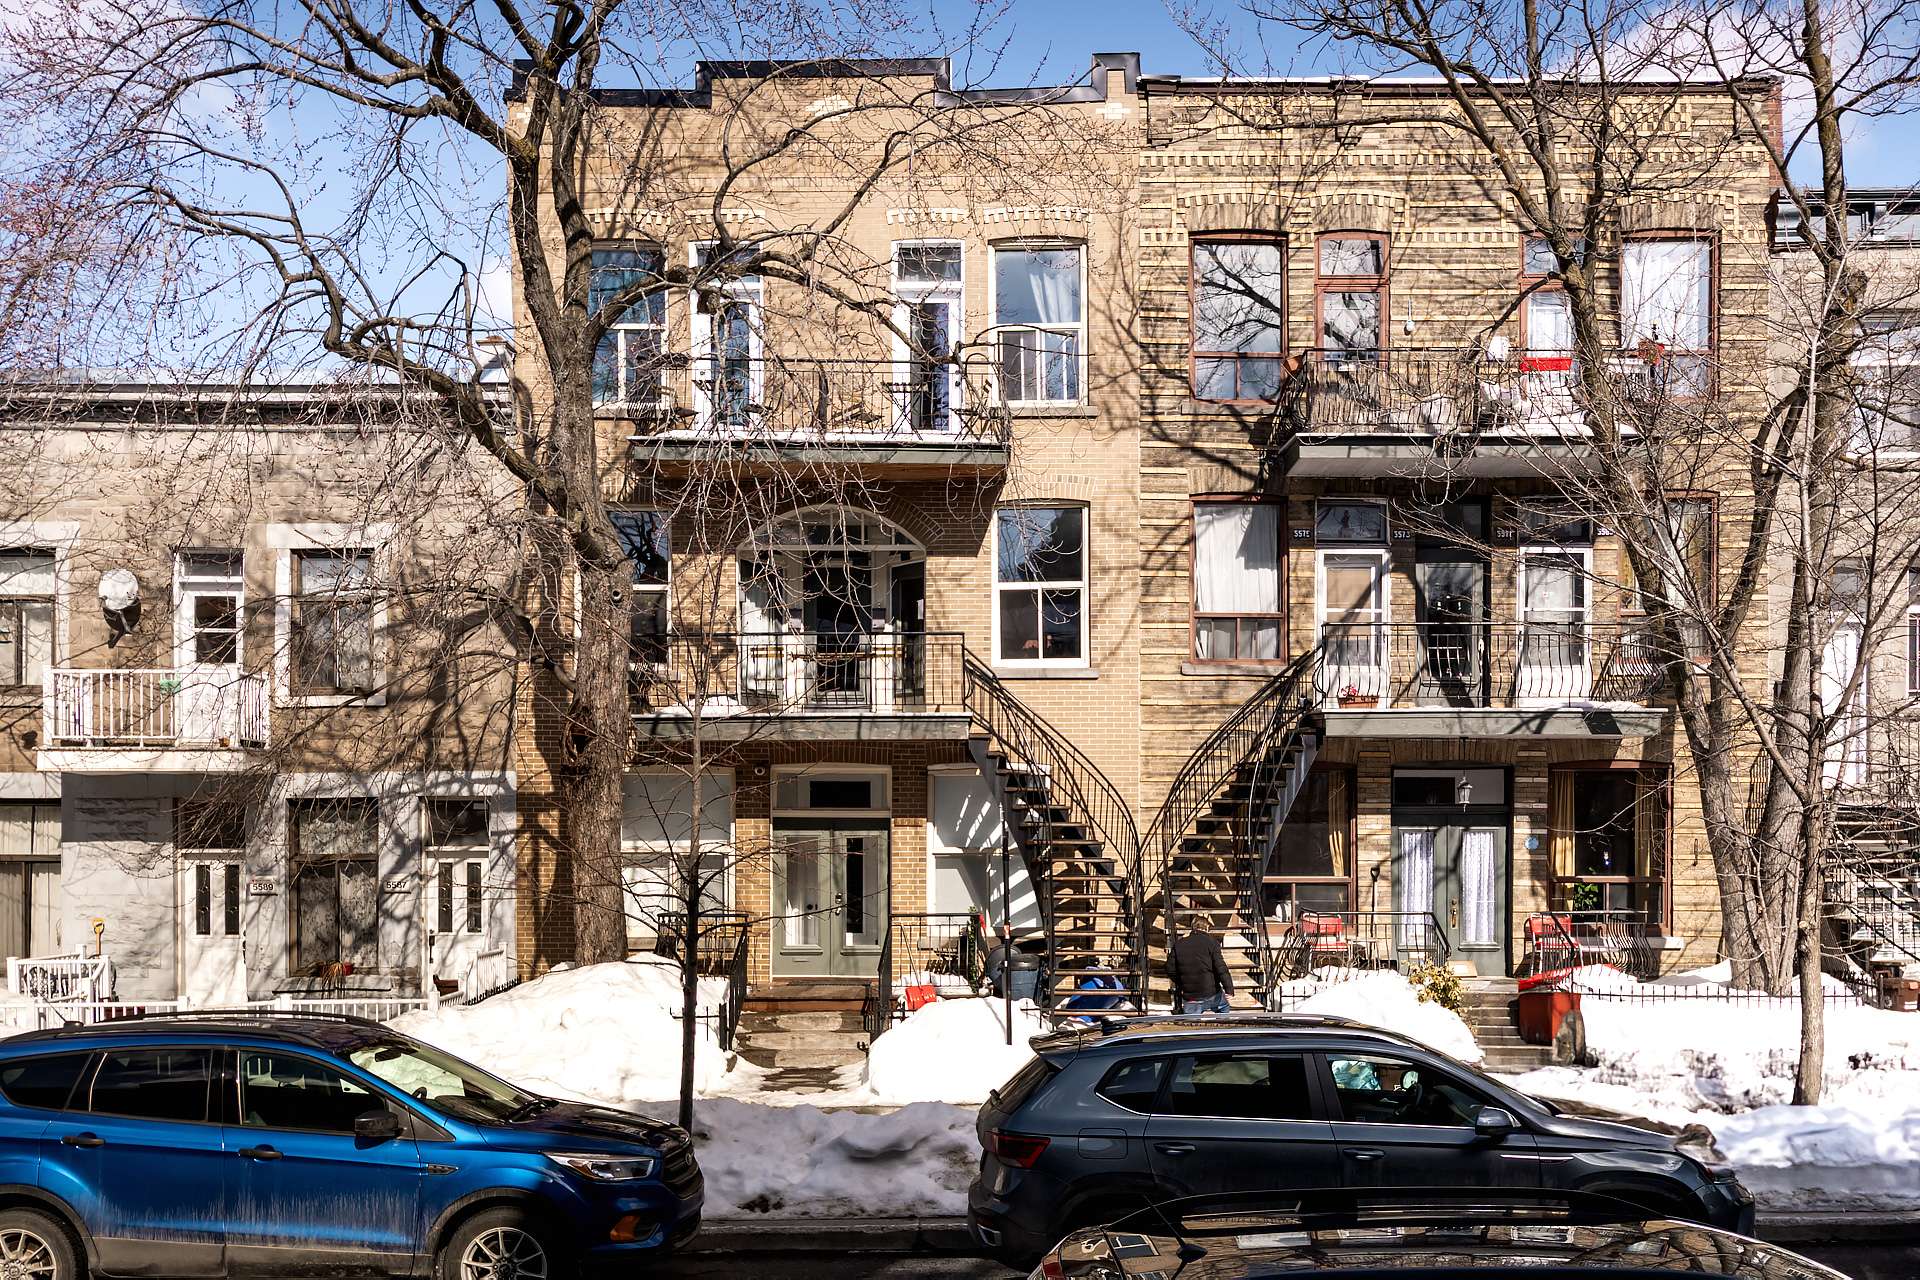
1495 722
133 759
1404 456
808 726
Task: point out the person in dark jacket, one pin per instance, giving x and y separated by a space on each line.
1198 972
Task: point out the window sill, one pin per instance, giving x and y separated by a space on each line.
1241 409
1193 668
333 700
21 696
1046 673
1024 411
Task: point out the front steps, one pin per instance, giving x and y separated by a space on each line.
804 1033
1486 1005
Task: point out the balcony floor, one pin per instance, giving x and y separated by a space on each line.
810 726
1495 722
132 759
1407 455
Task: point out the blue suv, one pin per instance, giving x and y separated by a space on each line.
301 1145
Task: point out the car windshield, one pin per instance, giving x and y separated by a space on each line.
442 1079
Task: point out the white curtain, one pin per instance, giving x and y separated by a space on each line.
1415 890
1236 561
26 573
1846 756
1549 322
16 829
1037 286
1479 888
1666 293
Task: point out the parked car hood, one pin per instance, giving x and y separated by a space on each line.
1621 1132
596 1125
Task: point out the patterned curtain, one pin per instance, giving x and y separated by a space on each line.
1415 889
1479 888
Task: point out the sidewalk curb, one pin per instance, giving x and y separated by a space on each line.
1839 1228
834 1235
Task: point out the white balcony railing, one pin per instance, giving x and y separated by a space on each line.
161 707
60 978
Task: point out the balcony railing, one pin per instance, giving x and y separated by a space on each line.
788 672
784 401
163 707
1372 665
1430 393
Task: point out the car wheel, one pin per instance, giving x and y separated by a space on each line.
34 1246
501 1244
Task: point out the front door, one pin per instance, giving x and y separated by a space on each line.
830 892
208 598
213 943
907 605
1451 886
1450 610
1353 614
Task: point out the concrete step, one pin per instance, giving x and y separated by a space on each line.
754 1022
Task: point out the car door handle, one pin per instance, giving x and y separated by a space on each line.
83 1140
259 1153
1174 1148
1363 1153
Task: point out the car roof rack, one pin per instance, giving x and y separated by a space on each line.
1156 1021
227 1016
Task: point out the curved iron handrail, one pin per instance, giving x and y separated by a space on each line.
1029 739
1215 761
1250 845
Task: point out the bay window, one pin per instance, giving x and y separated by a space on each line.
1667 310
1040 589
1239 319
1040 323
1237 604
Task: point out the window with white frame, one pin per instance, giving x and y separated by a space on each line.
29 880
656 841
927 282
1040 592
1237 608
645 538
969 872
334 617
1913 629
1666 309
627 361
1886 382
1546 319
209 593
728 341
1040 322
457 847
26 615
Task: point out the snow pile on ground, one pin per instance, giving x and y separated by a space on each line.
800 1161
951 1051
1386 1000
603 1033
1696 1052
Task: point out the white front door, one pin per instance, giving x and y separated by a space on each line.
213 940
209 597
1844 698
456 901
1353 632
1554 663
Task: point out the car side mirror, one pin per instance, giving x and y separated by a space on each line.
378 1125
1493 1123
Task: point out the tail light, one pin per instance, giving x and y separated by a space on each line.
1016 1149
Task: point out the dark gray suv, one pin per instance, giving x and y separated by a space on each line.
1139 1111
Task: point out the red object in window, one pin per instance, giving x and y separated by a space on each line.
1545 364
1016 1149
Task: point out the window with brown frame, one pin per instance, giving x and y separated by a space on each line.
1239 317
1609 837
1913 629
1546 321
1312 867
1239 610
1668 309
1350 296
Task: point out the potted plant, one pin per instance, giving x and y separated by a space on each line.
1350 696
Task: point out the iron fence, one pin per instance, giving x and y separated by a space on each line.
1335 946
1487 664
1430 392
716 674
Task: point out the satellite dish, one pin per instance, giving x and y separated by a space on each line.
119 590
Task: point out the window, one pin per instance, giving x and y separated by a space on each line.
1250 1086
1311 870
153 1084
333 622
1356 523
1546 322
29 879
1135 1084
927 282
1913 630
1693 532
656 832
1666 310
727 340
628 358
1239 319
457 848
1886 379
1237 605
1040 594
1376 1090
1351 293
43 1082
204 888
645 537
286 1091
963 838
1039 316
209 591
1609 851
336 887
26 615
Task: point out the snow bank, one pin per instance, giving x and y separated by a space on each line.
802 1162
1386 1000
951 1051
603 1033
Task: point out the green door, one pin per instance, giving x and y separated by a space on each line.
829 899
1450 883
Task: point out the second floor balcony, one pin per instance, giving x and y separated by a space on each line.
794 684
1490 678
154 719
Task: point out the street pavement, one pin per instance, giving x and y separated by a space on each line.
1888 1261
